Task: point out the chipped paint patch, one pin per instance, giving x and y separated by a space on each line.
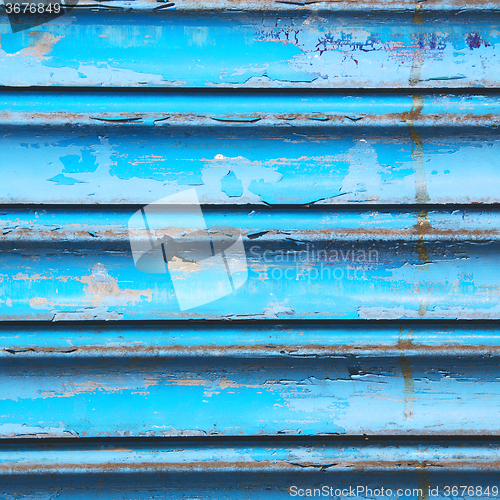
409 385
280 49
231 185
34 431
63 180
102 289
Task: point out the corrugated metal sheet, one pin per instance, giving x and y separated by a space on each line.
185 48
302 264
249 148
354 149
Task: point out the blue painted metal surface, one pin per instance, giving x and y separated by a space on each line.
226 456
302 264
226 396
253 49
361 6
362 350
249 148
248 339
242 469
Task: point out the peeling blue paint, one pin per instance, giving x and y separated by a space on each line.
62 180
231 185
270 49
359 318
277 160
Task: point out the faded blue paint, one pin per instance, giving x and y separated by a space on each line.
294 363
461 284
247 340
268 49
308 264
226 396
276 160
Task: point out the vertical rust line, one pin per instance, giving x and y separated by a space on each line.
423 483
417 151
421 191
418 55
409 384
417 155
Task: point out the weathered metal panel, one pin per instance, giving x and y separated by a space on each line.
392 6
302 264
249 148
211 396
362 349
163 48
222 455
248 339
243 469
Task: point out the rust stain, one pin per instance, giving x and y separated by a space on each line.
73 388
423 482
221 384
241 350
417 152
299 119
409 385
101 292
416 67
101 287
251 464
418 55
423 226
42 44
225 384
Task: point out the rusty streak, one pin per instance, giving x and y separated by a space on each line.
409 385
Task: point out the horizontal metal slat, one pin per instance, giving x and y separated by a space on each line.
248 340
240 455
302 264
268 49
217 395
50 225
54 107
238 469
289 5
80 379
91 148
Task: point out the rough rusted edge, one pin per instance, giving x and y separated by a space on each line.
251 466
13 233
287 5
245 120
310 350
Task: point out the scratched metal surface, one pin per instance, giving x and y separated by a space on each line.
325 264
293 5
247 339
241 469
228 396
183 48
354 146
249 148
